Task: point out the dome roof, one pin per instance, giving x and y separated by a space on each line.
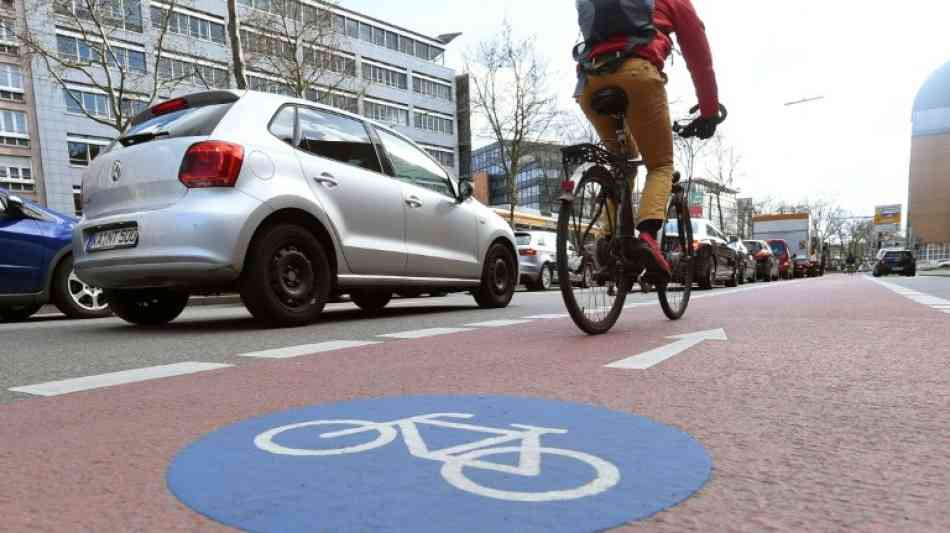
935 94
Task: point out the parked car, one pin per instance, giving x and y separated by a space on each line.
716 261
785 267
895 262
766 264
286 201
745 260
537 258
36 263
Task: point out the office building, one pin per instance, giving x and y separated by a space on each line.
391 74
929 209
537 183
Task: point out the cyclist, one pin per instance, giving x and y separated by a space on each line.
626 43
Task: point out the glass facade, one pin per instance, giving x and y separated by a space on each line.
537 183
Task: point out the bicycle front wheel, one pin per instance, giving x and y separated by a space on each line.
593 282
677 246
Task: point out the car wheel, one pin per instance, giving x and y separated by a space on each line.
73 297
709 277
498 279
546 279
147 307
17 313
371 300
733 280
286 280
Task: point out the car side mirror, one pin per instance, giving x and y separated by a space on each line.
13 206
466 190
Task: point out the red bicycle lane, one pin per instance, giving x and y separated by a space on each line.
823 415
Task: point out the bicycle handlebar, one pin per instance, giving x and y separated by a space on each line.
680 127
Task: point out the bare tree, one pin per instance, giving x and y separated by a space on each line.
512 96
98 59
296 43
238 64
827 219
722 169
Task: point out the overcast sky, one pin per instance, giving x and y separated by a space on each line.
867 58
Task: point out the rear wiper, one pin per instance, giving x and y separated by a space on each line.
129 140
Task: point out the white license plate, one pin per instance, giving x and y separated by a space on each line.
112 239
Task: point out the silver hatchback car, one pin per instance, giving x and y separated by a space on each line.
286 201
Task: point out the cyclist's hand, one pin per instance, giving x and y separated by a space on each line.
702 127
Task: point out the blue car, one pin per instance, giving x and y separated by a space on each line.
36 263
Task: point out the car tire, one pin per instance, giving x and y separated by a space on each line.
371 300
409 293
18 313
147 307
733 280
73 297
546 279
286 279
709 275
498 279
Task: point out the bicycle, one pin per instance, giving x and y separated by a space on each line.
457 458
607 238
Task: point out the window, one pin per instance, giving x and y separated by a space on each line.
11 78
77 200
190 25
406 45
392 40
422 50
125 14
8 41
432 88
196 74
7 4
13 122
386 113
352 28
445 158
284 124
366 32
428 121
337 137
412 165
81 153
16 175
257 83
74 49
379 37
385 76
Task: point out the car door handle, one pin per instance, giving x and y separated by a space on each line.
413 201
326 179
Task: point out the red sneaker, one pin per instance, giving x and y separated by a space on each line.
659 264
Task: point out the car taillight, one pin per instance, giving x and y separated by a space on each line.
761 254
528 251
211 164
170 106
567 186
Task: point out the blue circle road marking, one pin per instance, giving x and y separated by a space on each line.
439 463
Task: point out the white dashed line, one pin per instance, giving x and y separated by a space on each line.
66 386
496 323
934 302
547 317
308 349
423 333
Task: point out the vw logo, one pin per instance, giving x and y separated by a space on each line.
116 171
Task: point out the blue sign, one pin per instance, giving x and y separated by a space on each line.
439 463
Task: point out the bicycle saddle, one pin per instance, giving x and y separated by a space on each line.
610 101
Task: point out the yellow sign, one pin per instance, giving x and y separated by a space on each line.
887 215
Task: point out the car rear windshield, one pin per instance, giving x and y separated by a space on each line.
672 228
189 122
897 255
753 246
777 247
523 239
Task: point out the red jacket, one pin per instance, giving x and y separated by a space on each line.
679 17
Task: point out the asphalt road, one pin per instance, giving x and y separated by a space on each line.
821 405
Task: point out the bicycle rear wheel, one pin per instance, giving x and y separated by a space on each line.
583 225
677 246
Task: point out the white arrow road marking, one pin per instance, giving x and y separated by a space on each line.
658 355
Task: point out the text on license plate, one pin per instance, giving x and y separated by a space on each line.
112 239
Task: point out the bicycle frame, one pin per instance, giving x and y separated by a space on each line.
529 462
